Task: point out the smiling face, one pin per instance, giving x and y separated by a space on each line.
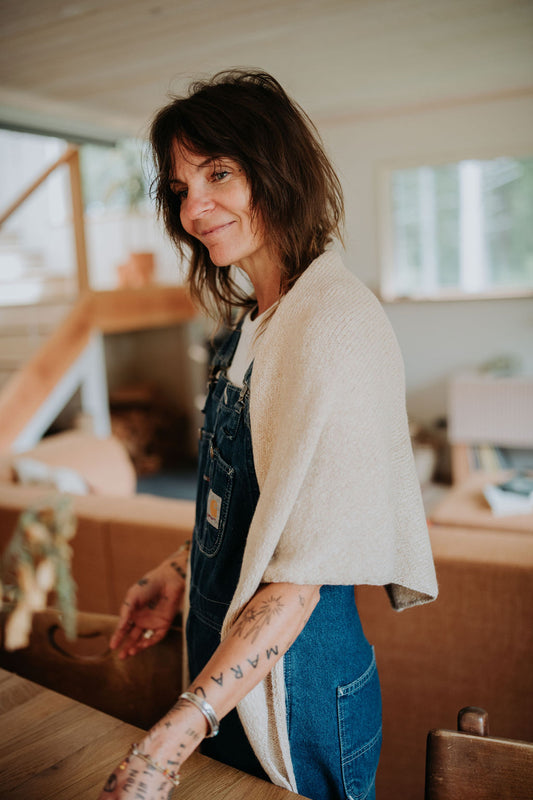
215 198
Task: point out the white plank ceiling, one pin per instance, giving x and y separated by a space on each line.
102 67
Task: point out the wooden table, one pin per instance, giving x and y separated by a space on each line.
54 747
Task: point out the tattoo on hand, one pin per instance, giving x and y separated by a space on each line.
140 794
253 620
179 569
130 780
142 582
111 783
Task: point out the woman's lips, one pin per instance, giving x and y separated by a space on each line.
213 231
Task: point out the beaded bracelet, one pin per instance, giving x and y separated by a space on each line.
173 777
207 710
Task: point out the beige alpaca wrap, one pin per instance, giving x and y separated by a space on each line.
339 497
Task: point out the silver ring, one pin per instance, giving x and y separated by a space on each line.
148 633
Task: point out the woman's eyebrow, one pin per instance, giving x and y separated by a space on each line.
202 165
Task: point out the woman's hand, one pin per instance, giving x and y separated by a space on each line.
134 778
150 606
169 743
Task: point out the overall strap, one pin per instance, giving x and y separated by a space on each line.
224 355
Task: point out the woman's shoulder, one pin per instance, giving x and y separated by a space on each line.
330 302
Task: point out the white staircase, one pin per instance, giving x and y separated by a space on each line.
23 329
33 301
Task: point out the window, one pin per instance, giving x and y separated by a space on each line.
461 229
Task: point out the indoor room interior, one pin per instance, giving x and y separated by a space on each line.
426 110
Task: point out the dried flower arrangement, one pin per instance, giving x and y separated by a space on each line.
37 561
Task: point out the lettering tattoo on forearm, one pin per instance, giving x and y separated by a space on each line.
253 662
253 620
237 671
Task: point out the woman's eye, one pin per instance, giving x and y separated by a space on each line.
181 194
219 176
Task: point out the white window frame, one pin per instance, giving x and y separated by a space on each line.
470 247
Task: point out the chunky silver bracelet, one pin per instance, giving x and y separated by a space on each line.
170 775
207 710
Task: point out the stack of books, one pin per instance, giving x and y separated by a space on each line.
514 496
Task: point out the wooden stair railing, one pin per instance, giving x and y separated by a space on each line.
27 390
95 312
71 157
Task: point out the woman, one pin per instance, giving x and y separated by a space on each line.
306 479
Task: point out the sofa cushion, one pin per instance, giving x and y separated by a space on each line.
102 464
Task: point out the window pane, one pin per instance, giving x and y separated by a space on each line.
465 227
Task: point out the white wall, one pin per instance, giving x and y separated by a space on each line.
437 338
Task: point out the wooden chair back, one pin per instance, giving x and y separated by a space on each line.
468 763
138 690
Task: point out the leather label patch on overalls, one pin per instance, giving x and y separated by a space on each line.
214 504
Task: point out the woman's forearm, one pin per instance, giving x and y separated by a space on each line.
262 633
260 636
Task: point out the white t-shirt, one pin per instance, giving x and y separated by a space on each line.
244 353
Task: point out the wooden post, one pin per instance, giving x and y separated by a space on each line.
63 159
78 220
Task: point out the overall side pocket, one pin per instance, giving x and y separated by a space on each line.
359 721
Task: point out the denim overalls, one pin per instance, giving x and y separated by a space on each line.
332 690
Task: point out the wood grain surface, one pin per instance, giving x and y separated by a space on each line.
54 747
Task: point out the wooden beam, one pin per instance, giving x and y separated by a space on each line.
27 390
137 309
64 159
109 312
78 220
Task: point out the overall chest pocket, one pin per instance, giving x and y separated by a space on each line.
214 496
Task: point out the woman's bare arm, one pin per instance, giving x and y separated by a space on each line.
260 636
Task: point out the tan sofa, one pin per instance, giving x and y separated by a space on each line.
119 534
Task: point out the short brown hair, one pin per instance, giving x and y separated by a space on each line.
247 116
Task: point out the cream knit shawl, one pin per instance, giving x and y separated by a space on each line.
339 497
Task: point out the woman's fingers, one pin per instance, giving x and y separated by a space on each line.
146 614
130 644
124 626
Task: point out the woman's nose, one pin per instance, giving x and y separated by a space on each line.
197 203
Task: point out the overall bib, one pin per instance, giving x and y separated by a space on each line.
332 693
